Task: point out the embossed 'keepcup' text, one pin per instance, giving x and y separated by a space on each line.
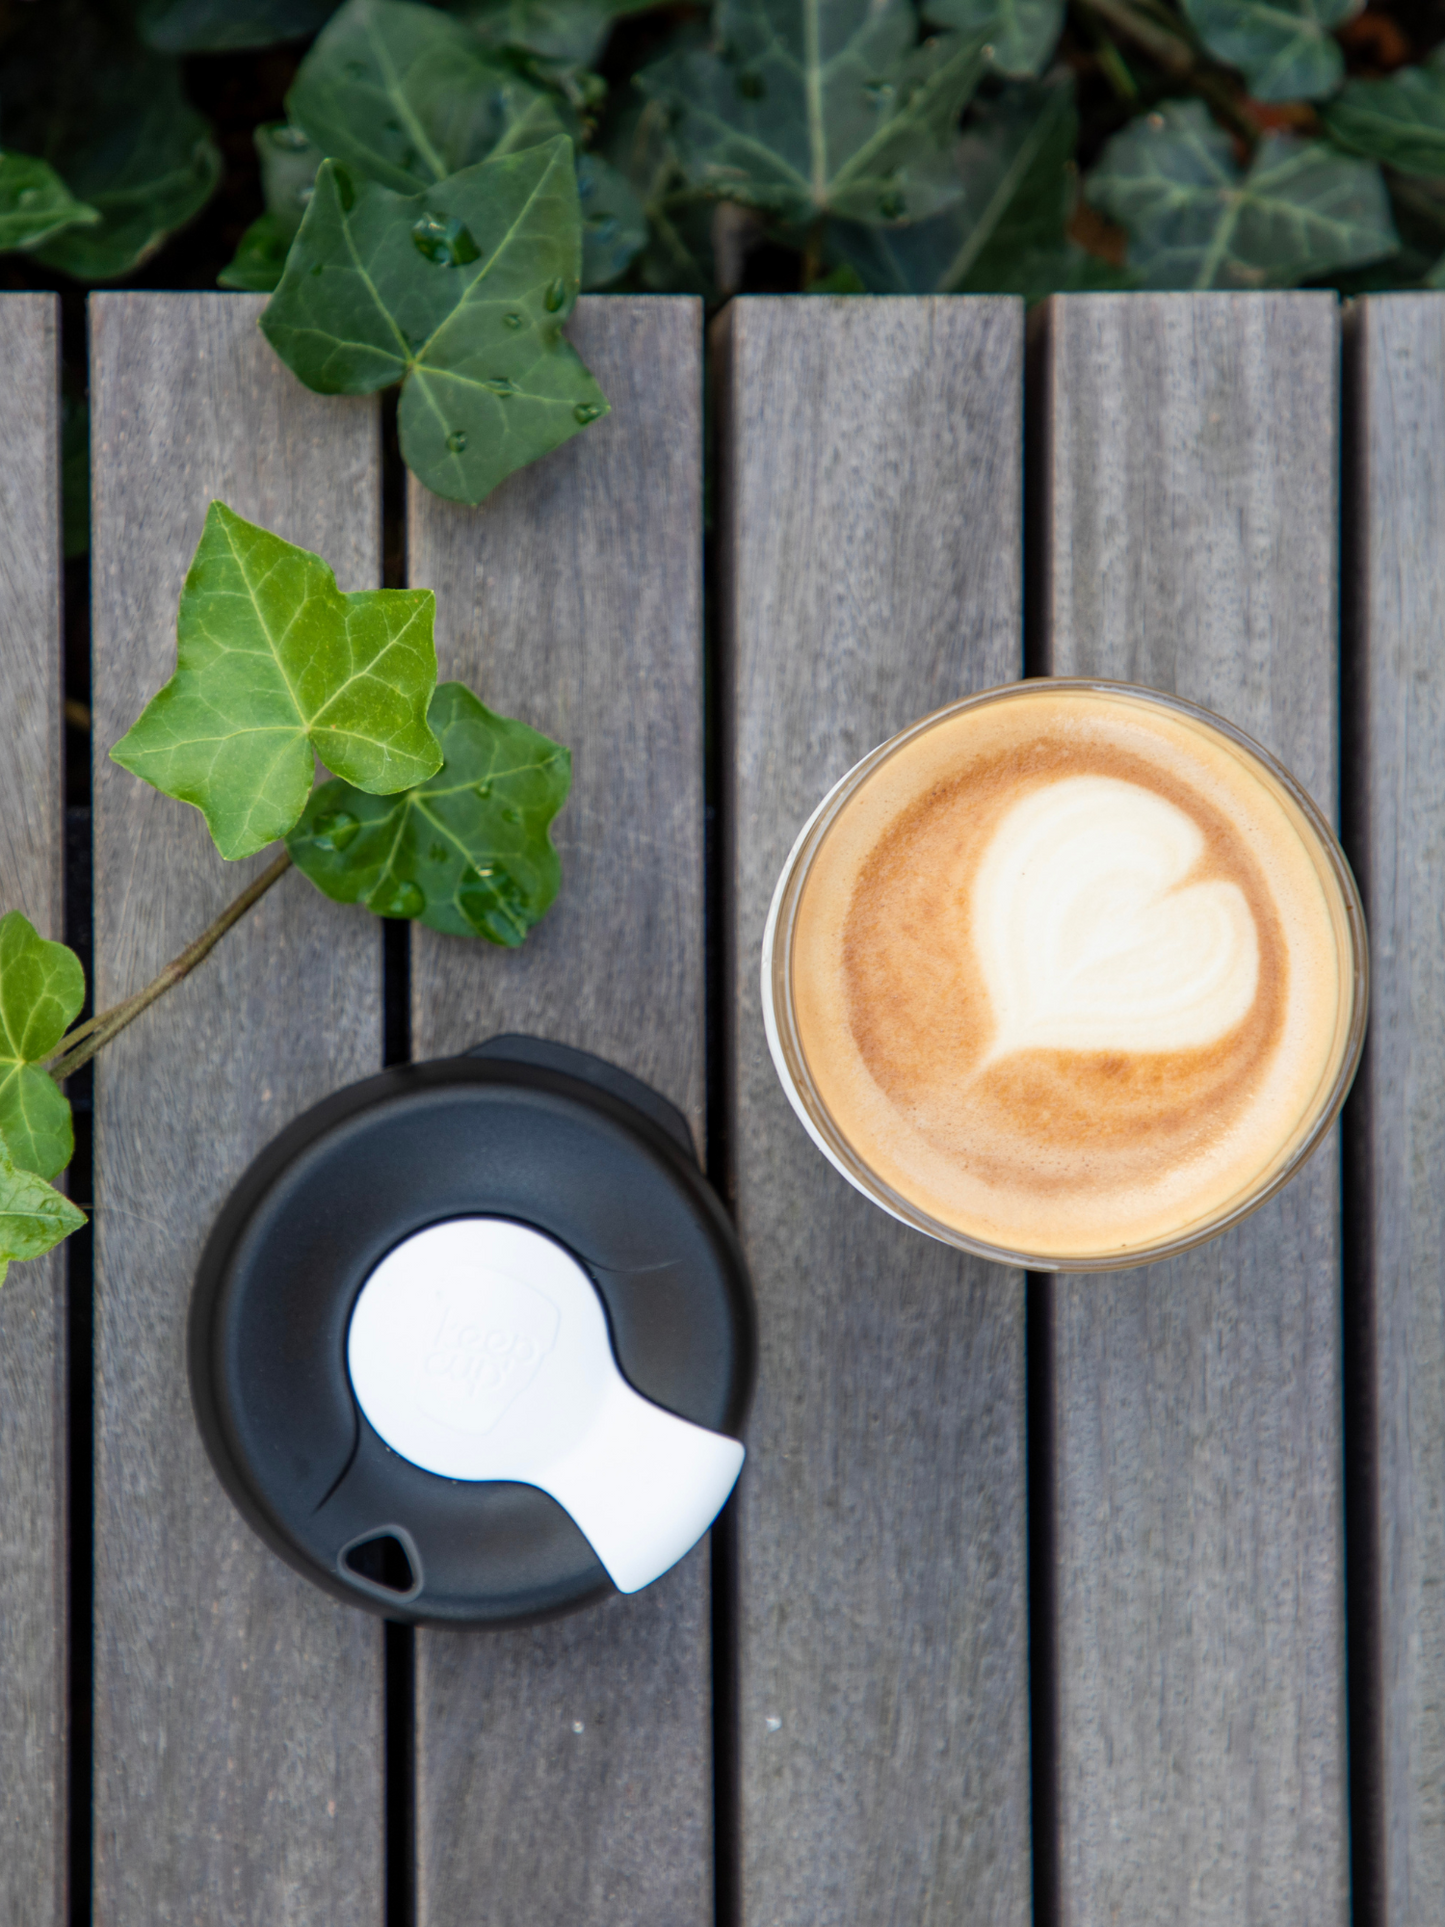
477 1365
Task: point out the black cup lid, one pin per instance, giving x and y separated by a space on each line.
535 1243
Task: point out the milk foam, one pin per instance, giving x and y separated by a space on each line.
1090 936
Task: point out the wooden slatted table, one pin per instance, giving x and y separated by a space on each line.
1084 1600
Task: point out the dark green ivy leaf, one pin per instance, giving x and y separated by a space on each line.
459 293
134 148
1021 34
570 32
219 26
34 1217
1284 48
678 256
288 171
288 180
42 988
260 258
35 204
1400 120
274 667
1006 232
130 145
818 107
405 96
1196 221
466 852
614 223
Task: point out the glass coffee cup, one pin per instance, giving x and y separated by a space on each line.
1069 974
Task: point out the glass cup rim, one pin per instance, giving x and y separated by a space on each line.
790 1063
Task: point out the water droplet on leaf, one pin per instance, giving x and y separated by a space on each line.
500 385
402 899
289 137
556 295
587 411
437 853
304 193
510 815
878 93
456 441
511 321
482 792
28 196
335 830
444 239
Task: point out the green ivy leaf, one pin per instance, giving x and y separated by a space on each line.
35 204
1006 232
1195 221
141 156
260 258
460 293
1284 48
614 222
406 96
42 988
275 666
1400 120
678 256
570 32
288 180
1021 34
288 172
34 1217
816 107
466 852
219 26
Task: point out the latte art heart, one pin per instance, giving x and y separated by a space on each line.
1090 937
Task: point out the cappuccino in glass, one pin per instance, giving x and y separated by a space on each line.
1069 973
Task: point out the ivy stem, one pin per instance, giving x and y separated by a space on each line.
86 1039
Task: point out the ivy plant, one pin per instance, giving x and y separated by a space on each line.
439 812
449 176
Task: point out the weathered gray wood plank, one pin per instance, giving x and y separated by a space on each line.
1188 470
33 1589
573 599
1396 508
238 1752
869 571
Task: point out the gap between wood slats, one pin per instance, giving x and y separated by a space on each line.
1041 1459
399 1650
1362 1576
717 750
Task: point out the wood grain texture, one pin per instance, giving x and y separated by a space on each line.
572 599
33 1588
1396 785
1188 468
238 1751
870 571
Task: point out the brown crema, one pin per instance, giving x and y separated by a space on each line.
981 972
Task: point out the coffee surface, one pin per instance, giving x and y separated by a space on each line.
1071 972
